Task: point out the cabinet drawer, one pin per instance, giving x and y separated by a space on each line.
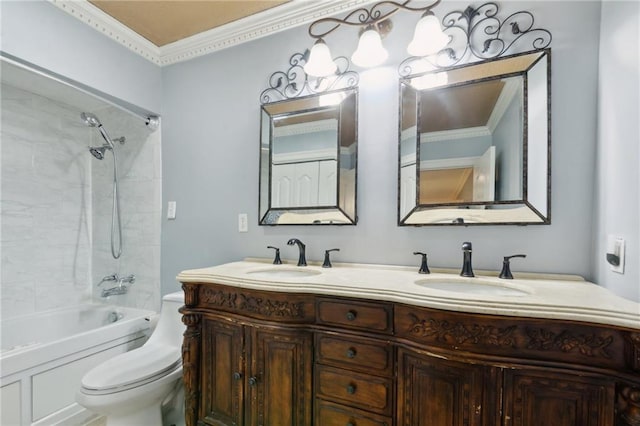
359 390
355 314
330 414
355 354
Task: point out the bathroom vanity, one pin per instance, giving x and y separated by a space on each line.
366 345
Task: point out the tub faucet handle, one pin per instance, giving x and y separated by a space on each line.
424 268
506 269
109 278
327 260
128 279
276 259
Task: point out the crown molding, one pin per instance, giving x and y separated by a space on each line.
447 135
110 27
271 21
327 125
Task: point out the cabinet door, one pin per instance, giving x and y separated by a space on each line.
434 391
540 398
222 373
280 381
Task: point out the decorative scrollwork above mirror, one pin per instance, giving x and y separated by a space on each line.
477 34
474 142
308 146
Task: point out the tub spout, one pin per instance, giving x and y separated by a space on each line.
121 288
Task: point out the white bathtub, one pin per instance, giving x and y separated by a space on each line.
43 357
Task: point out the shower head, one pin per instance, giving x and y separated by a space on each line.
90 119
98 152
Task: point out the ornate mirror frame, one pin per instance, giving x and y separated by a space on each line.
313 184
438 185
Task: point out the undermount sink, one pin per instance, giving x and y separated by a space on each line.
472 286
279 272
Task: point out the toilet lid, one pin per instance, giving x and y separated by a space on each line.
133 368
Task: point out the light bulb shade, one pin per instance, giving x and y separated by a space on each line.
428 37
370 52
320 63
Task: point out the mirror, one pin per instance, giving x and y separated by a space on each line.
474 144
308 158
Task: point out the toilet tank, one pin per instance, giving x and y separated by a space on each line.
169 329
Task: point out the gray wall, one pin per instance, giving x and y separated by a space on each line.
617 204
210 161
40 33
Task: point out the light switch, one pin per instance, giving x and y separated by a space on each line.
243 225
171 210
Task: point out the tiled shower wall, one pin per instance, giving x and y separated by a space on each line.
140 191
55 206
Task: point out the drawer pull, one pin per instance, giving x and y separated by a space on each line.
351 315
350 424
253 381
351 389
351 353
237 376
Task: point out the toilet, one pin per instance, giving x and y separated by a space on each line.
129 389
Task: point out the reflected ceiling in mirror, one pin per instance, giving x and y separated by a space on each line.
308 159
474 143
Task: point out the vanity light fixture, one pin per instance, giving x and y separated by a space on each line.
320 63
427 28
428 37
370 52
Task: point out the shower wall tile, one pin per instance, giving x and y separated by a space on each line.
55 206
140 191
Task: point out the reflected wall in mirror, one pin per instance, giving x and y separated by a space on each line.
474 143
308 159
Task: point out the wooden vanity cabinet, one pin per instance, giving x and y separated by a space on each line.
437 391
265 358
253 375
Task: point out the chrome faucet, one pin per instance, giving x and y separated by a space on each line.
302 260
120 288
467 269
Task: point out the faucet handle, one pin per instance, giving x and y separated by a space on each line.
506 268
276 259
327 261
107 278
424 268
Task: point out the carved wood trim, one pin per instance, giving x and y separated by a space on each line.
250 304
446 332
590 345
190 294
191 367
508 336
633 351
628 406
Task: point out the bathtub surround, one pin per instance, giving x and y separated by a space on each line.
56 205
140 182
46 204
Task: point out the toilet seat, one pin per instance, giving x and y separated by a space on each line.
132 369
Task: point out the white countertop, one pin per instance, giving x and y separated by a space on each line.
538 295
